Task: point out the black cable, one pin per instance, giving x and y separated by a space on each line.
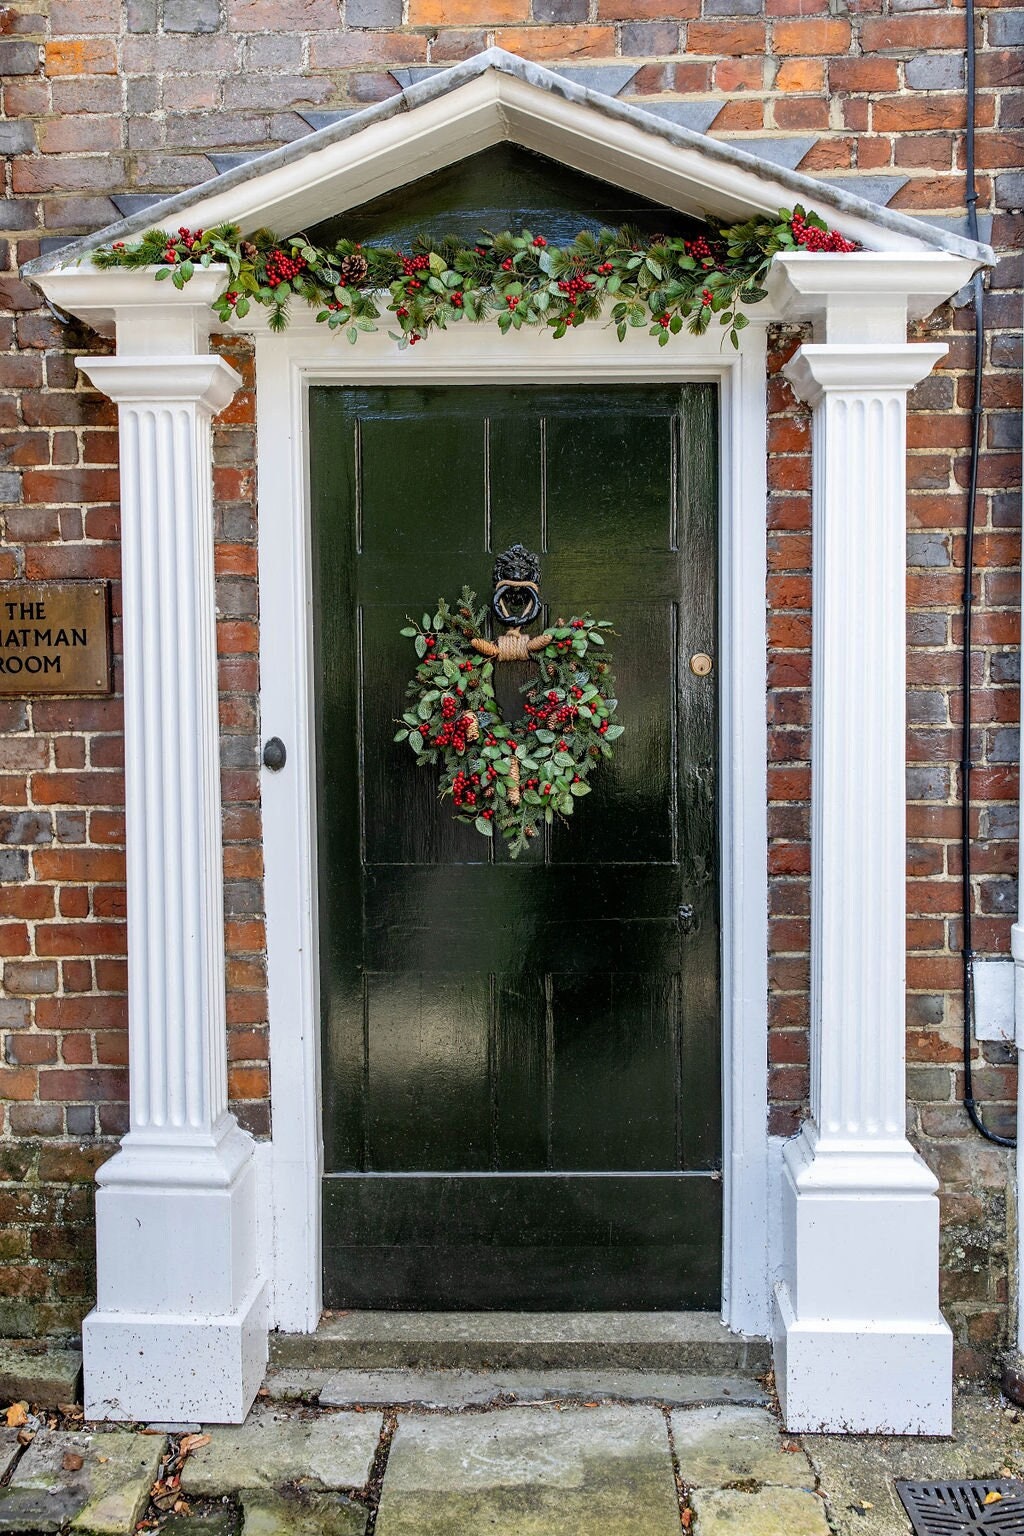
967 953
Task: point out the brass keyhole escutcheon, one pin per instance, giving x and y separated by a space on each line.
701 664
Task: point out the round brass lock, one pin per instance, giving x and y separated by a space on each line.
701 664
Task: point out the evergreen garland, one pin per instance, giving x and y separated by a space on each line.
510 777
660 282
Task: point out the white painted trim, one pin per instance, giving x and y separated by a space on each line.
860 1343
163 1305
866 297
285 368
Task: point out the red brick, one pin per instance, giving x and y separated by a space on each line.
561 43
912 33
647 10
78 788
725 37
801 112
812 38
81 56
84 864
863 74
81 939
740 74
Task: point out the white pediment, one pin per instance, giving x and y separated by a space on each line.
497 97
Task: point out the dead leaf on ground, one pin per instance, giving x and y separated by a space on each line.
17 1414
992 1498
103 1460
72 1462
686 1519
189 1443
26 1436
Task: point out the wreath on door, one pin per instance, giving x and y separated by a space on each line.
512 777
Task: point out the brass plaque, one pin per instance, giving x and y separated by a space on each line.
55 637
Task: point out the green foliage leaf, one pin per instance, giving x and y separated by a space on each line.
645 279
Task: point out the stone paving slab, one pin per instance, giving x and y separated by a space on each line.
320 1514
45 1376
726 1447
288 1384
9 1449
772 1512
531 1472
103 1497
335 1450
221 1519
858 1472
469 1389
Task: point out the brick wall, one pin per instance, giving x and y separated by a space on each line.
122 101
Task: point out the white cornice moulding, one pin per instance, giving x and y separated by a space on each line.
208 382
864 296
149 317
820 368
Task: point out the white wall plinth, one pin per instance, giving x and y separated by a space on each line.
864 1377
860 1342
203 1369
180 1324
179 1329
860 1345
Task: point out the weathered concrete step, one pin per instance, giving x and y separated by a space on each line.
455 1389
692 1343
40 1373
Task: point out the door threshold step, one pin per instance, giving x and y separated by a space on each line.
452 1390
678 1343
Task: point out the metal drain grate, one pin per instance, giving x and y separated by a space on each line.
959 1509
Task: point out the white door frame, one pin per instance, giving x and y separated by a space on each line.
291 1165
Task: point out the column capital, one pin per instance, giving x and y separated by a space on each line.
207 381
864 295
819 368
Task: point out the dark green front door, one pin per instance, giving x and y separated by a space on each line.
521 1061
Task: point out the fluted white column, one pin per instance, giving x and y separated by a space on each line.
177 1332
860 1341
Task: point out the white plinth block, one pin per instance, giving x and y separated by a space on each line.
178 1332
860 1342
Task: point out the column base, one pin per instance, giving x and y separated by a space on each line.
862 1377
199 1369
860 1344
179 1330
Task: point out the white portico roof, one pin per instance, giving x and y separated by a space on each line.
497 97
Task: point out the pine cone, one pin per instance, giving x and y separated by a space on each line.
472 725
353 270
249 251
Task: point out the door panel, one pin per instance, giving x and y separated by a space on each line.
520 1060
